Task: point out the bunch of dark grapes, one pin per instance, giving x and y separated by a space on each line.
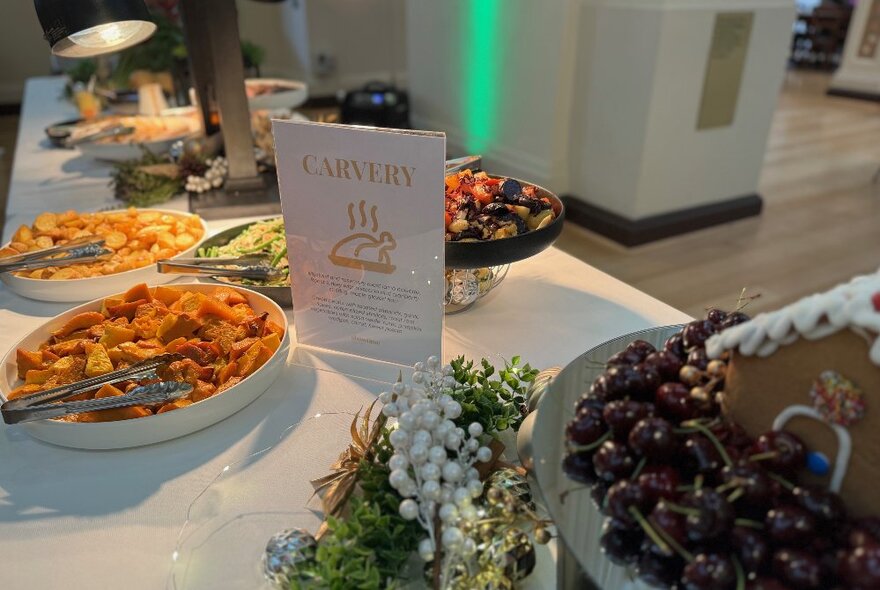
693 502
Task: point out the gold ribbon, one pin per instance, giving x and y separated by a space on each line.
336 488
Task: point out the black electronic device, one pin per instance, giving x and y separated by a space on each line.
376 104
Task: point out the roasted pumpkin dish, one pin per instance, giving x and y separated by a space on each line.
222 339
135 238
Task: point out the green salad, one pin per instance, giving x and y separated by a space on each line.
263 237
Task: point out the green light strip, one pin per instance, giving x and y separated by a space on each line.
480 62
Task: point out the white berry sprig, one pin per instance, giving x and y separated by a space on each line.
214 176
432 467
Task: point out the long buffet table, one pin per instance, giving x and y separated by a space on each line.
111 519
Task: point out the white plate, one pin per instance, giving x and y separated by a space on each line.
73 290
158 427
294 93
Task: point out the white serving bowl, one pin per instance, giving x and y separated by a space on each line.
158 427
73 290
292 94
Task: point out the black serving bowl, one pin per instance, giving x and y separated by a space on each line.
479 254
280 295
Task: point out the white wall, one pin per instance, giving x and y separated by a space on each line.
530 77
364 37
23 52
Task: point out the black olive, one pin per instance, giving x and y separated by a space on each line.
521 226
499 210
510 188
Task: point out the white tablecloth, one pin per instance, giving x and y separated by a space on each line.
84 519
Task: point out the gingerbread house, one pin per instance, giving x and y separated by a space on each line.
813 368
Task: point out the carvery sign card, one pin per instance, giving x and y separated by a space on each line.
363 213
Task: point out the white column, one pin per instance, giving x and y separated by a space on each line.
636 148
859 71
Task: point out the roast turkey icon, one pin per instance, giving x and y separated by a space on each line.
362 250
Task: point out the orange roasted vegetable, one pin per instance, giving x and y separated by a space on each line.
107 390
114 335
210 306
37 376
112 415
195 353
137 293
229 296
25 390
48 356
98 362
175 405
166 295
189 302
66 348
255 325
274 328
79 322
176 326
26 360
227 384
239 348
175 344
108 303
227 372
126 310
253 359
221 333
272 341
203 390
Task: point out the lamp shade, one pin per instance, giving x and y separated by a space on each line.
83 28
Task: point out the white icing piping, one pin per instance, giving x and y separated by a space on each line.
844 442
814 317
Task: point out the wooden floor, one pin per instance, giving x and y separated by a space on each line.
820 225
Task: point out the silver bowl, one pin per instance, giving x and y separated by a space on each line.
280 295
466 286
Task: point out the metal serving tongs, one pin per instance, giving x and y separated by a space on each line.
246 267
459 164
115 131
42 405
78 250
